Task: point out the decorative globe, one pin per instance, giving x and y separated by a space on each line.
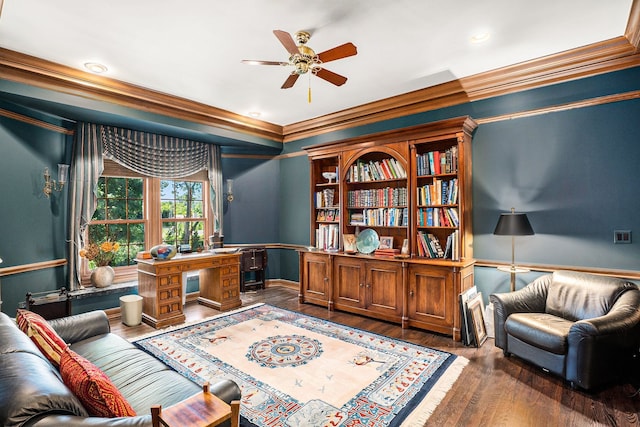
163 252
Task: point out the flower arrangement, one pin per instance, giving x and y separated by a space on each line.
101 254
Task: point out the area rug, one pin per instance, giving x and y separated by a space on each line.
297 370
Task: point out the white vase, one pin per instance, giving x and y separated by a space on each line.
102 276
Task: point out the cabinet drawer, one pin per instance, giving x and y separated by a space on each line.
229 269
169 293
168 269
165 281
169 308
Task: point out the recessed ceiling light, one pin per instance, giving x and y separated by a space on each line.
254 114
95 67
480 37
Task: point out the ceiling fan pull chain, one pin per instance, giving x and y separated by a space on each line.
309 92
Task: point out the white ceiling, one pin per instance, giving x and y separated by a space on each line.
192 49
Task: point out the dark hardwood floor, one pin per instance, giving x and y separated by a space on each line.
491 391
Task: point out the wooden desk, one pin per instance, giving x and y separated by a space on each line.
160 285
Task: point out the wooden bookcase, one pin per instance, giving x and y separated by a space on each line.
381 185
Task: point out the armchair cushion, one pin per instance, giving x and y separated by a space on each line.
540 329
575 296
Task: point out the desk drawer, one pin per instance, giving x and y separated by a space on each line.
173 280
169 293
168 269
169 308
226 270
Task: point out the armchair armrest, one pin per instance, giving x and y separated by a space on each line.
81 326
530 299
622 321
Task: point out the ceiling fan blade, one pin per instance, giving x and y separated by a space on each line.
256 62
291 80
330 76
338 52
287 41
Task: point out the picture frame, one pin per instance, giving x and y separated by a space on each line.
476 313
386 242
405 247
349 243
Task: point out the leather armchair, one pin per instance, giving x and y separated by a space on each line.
582 327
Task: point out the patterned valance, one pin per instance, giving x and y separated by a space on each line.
154 155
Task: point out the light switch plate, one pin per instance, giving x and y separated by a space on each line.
622 236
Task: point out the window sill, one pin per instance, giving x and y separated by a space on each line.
118 288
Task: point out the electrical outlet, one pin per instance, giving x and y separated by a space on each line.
622 236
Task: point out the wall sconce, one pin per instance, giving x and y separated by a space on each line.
229 192
51 185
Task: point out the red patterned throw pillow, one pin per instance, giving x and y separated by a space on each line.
93 387
42 334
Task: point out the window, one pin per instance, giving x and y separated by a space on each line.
119 217
139 212
182 213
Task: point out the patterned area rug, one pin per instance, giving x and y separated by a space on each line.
297 370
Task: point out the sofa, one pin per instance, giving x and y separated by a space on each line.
32 391
583 327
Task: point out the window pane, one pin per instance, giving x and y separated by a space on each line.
168 210
101 210
116 187
136 233
169 233
117 209
135 209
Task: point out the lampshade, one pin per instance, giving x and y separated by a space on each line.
513 224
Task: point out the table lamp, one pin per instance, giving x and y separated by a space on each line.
513 224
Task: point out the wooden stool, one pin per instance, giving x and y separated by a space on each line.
200 410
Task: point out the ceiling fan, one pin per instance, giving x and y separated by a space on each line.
303 59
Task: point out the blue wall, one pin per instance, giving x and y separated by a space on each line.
33 226
574 172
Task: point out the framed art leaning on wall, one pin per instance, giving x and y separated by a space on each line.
476 313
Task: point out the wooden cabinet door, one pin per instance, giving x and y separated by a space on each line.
383 286
349 276
315 284
432 298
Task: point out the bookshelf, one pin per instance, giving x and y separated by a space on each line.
412 185
325 209
376 194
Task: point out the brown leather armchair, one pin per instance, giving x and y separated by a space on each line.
582 327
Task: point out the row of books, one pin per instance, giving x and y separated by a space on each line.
381 217
440 192
376 171
328 215
438 217
324 198
429 246
377 197
328 237
437 162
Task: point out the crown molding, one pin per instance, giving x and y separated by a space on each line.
607 56
33 71
597 58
